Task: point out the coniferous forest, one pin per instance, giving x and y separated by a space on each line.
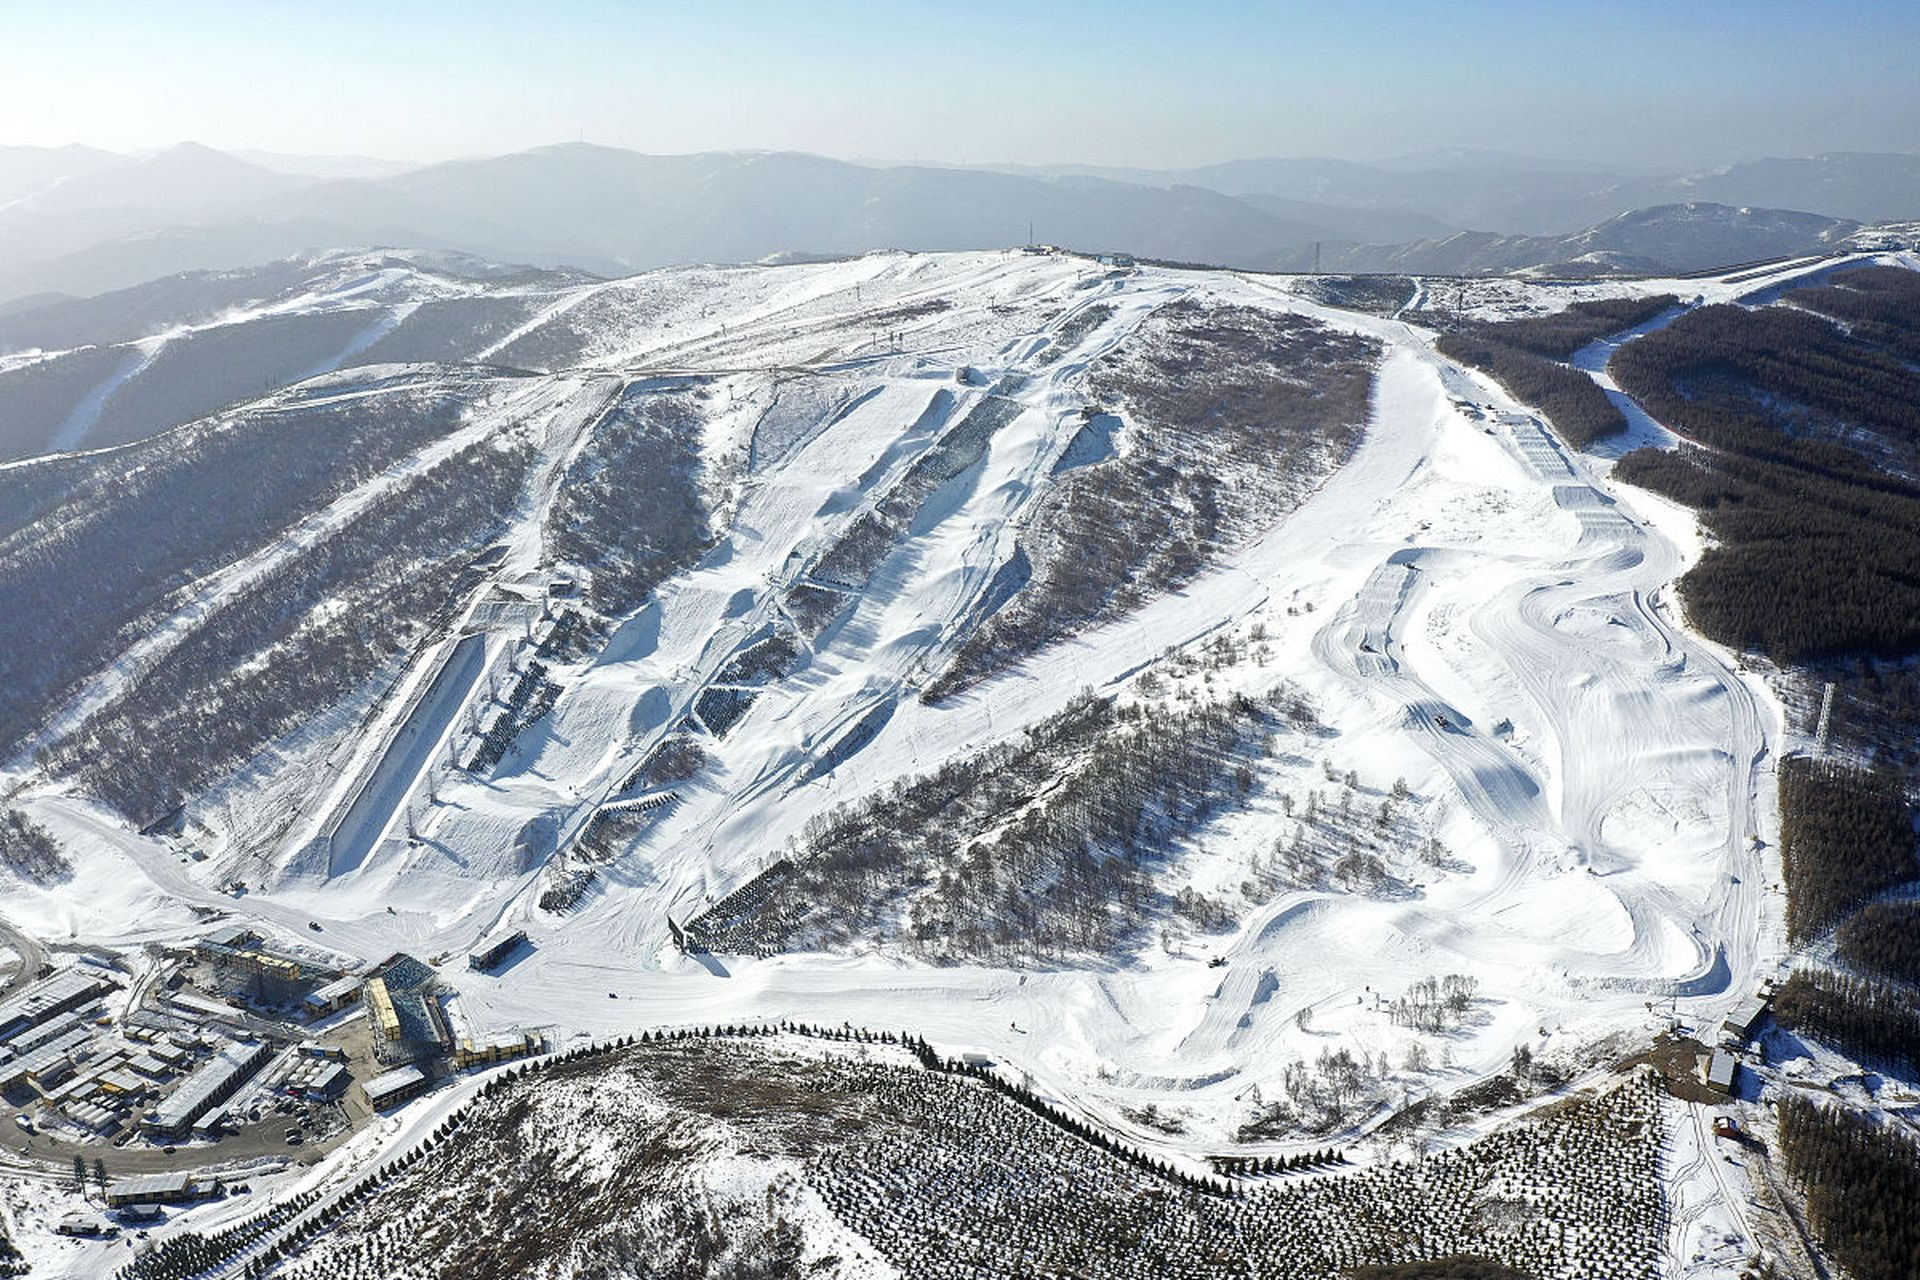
1810 417
1884 939
1458 1268
1801 444
1862 1183
1527 358
1558 334
1845 835
1876 1022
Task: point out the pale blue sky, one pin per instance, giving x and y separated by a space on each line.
1109 82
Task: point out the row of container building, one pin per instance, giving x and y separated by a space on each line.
63 992
212 1082
51 1042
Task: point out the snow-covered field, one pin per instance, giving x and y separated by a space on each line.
1473 609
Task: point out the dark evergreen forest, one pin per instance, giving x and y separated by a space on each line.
1844 836
1884 939
1527 357
1862 1183
1808 418
1875 1022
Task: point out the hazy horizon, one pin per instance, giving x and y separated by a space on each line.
1121 85
1437 156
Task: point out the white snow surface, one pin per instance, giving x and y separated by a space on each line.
1609 845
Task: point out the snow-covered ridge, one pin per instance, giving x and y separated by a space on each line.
1478 618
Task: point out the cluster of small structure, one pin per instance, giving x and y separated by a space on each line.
166 1067
212 1083
223 1040
49 1043
63 1055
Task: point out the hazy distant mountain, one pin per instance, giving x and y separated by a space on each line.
1868 187
181 176
25 171
1668 238
1342 223
1517 195
188 176
1488 160
105 222
119 221
610 211
1508 199
123 258
326 167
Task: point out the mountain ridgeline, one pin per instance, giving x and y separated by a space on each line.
83 222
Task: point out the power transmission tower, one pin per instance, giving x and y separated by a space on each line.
1826 720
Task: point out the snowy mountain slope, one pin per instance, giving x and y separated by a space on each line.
143 524
1503 760
1657 240
115 369
1385 716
